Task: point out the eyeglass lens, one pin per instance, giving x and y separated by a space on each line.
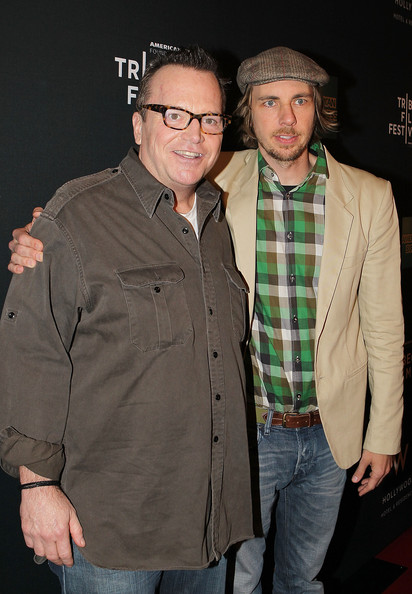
211 124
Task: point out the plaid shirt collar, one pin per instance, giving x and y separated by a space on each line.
320 167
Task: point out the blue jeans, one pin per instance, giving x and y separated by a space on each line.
300 481
85 578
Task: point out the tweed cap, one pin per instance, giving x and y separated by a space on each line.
280 63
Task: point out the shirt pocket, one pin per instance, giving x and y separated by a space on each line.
238 301
156 301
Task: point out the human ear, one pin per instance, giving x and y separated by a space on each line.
137 127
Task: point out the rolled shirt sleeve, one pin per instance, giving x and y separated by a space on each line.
38 324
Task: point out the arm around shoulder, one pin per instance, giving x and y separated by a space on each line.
26 250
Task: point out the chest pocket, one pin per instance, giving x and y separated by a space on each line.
238 301
156 301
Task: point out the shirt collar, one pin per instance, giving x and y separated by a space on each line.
150 191
319 169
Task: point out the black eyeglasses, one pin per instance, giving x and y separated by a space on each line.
179 119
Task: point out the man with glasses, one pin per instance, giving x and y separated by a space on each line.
127 423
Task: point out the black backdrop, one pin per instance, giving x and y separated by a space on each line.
69 72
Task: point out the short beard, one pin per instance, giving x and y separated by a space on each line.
286 157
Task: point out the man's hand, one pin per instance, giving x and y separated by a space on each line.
380 465
48 519
26 250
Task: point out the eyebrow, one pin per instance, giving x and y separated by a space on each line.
296 96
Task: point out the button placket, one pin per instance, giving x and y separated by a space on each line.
216 375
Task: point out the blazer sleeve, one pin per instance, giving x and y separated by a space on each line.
381 319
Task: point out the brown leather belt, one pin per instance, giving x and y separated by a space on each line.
290 420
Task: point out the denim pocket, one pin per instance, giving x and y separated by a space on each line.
156 301
259 433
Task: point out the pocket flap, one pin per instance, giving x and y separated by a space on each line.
236 278
158 274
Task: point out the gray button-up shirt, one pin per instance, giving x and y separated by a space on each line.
121 371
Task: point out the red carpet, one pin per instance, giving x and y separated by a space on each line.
400 553
389 572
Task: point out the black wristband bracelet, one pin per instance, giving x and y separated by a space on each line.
39 484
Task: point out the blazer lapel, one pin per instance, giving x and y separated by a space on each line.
241 217
338 223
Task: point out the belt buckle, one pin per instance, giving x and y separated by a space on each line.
284 418
296 414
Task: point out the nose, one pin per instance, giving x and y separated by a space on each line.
287 115
193 132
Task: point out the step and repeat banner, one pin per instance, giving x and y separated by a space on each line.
70 74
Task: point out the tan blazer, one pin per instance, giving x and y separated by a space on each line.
359 320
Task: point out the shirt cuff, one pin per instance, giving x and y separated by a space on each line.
41 457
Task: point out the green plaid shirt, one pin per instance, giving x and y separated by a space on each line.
289 243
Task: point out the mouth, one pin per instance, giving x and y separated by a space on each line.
189 154
286 138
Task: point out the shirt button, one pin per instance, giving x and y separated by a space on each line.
298 396
295 319
215 439
185 230
290 235
157 289
11 315
167 197
210 311
297 359
215 354
292 279
217 396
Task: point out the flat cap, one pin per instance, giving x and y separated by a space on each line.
280 63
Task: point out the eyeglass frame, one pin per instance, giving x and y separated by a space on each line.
159 108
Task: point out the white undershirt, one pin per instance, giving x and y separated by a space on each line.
191 216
